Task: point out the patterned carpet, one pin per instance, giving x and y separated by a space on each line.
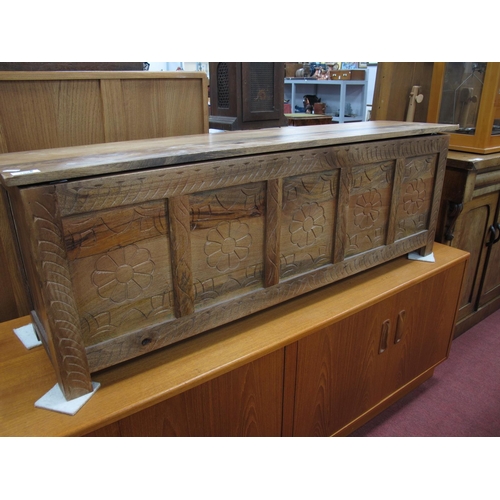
462 399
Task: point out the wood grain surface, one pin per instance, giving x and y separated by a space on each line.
144 382
151 257
26 168
51 109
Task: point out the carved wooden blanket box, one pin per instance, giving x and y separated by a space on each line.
132 246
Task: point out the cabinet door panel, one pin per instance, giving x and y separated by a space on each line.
491 285
342 371
471 235
244 402
428 324
336 374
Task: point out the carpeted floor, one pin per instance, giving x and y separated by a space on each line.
461 399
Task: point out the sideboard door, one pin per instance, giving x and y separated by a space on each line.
351 370
245 402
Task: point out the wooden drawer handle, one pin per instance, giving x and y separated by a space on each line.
400 326
386 328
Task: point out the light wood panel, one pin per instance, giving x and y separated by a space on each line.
393 85
246 402
51 109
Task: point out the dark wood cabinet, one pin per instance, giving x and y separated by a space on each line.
247 95
470 220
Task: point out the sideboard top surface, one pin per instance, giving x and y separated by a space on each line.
58 164
474 162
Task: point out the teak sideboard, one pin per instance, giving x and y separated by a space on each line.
318 365
131 247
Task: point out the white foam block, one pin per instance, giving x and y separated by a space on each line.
27 336
417 256
54 400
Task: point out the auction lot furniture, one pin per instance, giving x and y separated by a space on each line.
321 364
470 220
133 246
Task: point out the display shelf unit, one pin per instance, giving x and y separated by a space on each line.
336 94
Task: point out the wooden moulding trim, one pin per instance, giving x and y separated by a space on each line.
100 75
487 179
440 171
65 344
273 228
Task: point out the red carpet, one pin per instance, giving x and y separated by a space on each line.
462 399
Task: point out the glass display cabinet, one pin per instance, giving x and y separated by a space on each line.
468 94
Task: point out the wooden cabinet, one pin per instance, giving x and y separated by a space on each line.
321 364
470 220
246 95
468 93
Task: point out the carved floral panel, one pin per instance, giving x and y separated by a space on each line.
415 200
227 242
307 222
369 204
120 265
